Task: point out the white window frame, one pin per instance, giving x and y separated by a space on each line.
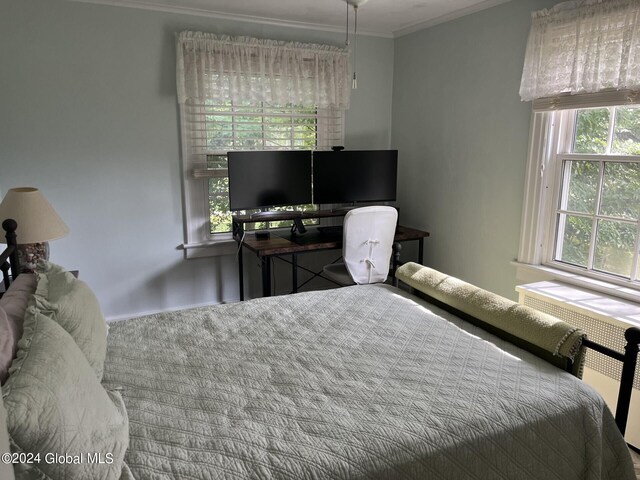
551 136
200 242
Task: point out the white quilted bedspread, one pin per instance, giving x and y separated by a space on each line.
353 383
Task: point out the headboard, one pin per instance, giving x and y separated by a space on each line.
9 263
10 269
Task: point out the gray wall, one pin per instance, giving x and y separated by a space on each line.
89 115
463 134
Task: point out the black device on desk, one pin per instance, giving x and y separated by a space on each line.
331 230
310 238
318 235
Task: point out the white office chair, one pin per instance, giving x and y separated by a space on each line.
367 242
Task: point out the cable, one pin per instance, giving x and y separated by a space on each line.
354 85
240 244
347 40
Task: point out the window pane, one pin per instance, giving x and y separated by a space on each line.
217 161
592 130
621 190
626 134
583 184
219 132
219 214
575 239
615 243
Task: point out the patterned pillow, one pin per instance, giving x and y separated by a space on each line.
12 307
72 304
7 345
56 406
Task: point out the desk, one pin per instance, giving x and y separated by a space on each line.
282 245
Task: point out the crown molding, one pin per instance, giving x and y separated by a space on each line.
227 16
448 17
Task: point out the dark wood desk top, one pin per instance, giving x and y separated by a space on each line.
280 245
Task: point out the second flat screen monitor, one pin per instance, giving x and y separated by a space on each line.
354 176
259 179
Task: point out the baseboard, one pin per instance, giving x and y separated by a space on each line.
119 318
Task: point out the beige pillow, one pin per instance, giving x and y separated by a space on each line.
8 343
56 406
72 304
12 307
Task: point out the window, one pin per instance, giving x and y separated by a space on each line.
240 93
581 210
216 129
598 213
590 183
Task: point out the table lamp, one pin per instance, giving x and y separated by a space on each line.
37 222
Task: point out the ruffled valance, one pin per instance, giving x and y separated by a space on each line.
249 70
583 46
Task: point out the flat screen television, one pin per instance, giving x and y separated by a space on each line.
261 179
351 176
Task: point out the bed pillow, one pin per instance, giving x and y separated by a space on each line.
55 405
7 346
72 304
12 307
539 329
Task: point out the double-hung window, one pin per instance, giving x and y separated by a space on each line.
250 94
582 189
594 219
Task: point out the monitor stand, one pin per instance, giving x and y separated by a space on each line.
298 227
343 209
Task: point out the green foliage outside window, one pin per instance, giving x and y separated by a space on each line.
602 194
250 127
592 128
626 139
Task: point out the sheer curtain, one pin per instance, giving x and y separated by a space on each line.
245 70
583 47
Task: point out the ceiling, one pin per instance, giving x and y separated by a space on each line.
388 18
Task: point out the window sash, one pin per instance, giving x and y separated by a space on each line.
596 217
563 129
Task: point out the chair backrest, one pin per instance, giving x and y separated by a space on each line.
367 242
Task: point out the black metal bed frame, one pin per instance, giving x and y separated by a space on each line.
9 257
629 358
629 361
9 261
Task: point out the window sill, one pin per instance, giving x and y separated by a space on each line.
213 248
534 273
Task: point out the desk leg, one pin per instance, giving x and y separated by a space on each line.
240 274
395 261
266 276
294 272
421 251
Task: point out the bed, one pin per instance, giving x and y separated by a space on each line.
358 382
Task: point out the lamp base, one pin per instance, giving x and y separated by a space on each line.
30 253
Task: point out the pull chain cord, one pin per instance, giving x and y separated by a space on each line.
346 42
354 85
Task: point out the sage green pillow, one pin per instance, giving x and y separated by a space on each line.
72 304
56 407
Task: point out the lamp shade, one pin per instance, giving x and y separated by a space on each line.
36 218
